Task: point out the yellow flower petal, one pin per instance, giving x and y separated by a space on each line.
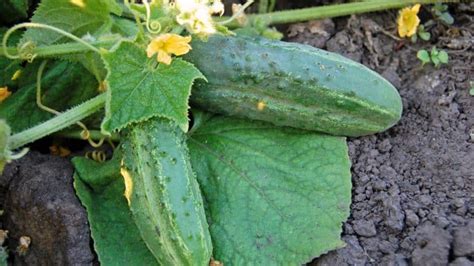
16 75
4 93
167 44
79 3
164 58
408 21
127 178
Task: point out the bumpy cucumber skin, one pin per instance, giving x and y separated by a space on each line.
165 199
290 84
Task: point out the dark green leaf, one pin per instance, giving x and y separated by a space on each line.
13 10
64 85
4 150
275 196
138 91
100 188
91 18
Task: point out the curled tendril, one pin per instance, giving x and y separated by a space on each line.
153 26
26 50
85 134
98 156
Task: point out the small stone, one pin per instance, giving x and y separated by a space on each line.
464 240
365 228
411 218
432 246
425 200
462 261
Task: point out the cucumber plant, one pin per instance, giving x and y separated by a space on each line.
240 192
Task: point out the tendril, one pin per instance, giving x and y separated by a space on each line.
26 50
85 134
153 26
237 14
98 156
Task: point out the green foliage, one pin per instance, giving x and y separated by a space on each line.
94 18
139 90
4 150
64 85
435 56
9 67
100 188
3 254
275 196
441 13
13 10
471 89
422 34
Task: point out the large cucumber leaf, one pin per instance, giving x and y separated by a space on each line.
100 188
275 196
64 85
78 17
4 151
138 91
13 10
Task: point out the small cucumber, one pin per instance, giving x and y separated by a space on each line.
291 84
163 193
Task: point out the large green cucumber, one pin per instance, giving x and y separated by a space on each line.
163 193
291 84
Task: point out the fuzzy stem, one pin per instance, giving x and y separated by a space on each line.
94 134
330 11
57 123
55 50
41 26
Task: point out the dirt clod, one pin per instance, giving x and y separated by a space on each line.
41 206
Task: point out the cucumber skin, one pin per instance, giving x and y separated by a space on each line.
166 200
300 86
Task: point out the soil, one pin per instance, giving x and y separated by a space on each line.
412 185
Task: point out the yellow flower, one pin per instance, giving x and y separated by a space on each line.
408 21
167 44
4 93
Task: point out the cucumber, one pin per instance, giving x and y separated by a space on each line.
163 193
294 85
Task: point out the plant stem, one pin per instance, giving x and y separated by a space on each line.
55 50
57 123
94 134
330 11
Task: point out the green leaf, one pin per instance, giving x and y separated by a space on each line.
435 60
100 188
4 150
138 91
275 196
446 18
92 18
443 57
64 85
424 35
13 10
424 56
